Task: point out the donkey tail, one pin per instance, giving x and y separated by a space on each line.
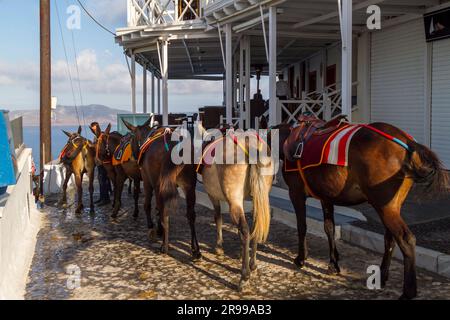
168 191
426 168
261 206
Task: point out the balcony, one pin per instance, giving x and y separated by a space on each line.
144 13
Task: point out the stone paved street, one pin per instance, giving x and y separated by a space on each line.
118 262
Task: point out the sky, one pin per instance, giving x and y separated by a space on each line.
103 72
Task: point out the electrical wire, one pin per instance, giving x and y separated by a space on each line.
67 61
95 20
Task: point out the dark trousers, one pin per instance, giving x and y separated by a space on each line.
104 182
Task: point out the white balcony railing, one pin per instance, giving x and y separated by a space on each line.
153 12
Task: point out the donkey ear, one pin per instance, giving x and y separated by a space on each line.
67 133
79 130
108 128
129 125
148 122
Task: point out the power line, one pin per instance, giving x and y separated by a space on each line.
78 76
95 20
67 62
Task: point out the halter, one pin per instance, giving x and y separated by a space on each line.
152 136
78 148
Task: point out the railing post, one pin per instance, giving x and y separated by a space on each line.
133 83
326 107
274 110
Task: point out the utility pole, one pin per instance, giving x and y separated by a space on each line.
45 88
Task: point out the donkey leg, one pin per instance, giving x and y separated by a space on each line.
79 182
245 242
407 244
91 190
63 201
120 180
190 204
299 202
160 211
389 246
253 261
165 230
329 227
129 185
137 183
218 219
148 194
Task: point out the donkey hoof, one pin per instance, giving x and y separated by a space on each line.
243 285
92 211
408 295
135 214
196 256
333 268
62 204
151 234
253 266
300 263
219 251
164 249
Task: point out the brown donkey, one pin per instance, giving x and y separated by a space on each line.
78 158
107 143
380 171
153 147
235 182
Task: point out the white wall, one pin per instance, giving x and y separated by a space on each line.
19 224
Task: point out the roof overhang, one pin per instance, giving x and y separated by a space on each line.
303 28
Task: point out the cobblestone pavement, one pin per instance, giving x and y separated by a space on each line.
117 261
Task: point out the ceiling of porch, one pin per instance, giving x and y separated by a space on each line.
303 28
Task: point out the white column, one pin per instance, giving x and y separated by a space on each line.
241 82
144 89
159 95
273 120
153 92
133 83
229 74
247 81
346 26
165 80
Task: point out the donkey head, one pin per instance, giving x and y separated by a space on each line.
139 134
74 144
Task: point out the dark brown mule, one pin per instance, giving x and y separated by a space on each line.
380 172
78 158
162 177
107 142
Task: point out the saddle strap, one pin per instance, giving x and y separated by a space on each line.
305 182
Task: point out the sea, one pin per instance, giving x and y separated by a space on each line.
59 139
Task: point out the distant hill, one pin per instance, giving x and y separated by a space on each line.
67 115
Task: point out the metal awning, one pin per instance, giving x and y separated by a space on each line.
303 28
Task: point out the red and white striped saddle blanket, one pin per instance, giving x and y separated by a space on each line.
327 148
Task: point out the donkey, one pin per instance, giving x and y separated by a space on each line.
383 164
153 147
234 183
107 142
78 158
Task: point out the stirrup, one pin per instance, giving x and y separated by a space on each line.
299 151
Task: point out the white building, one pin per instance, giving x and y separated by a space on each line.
393 74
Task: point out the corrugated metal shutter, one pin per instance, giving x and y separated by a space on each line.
397 77
440 101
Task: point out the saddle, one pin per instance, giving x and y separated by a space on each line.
308 127
123 151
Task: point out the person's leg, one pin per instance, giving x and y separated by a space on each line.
105 186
